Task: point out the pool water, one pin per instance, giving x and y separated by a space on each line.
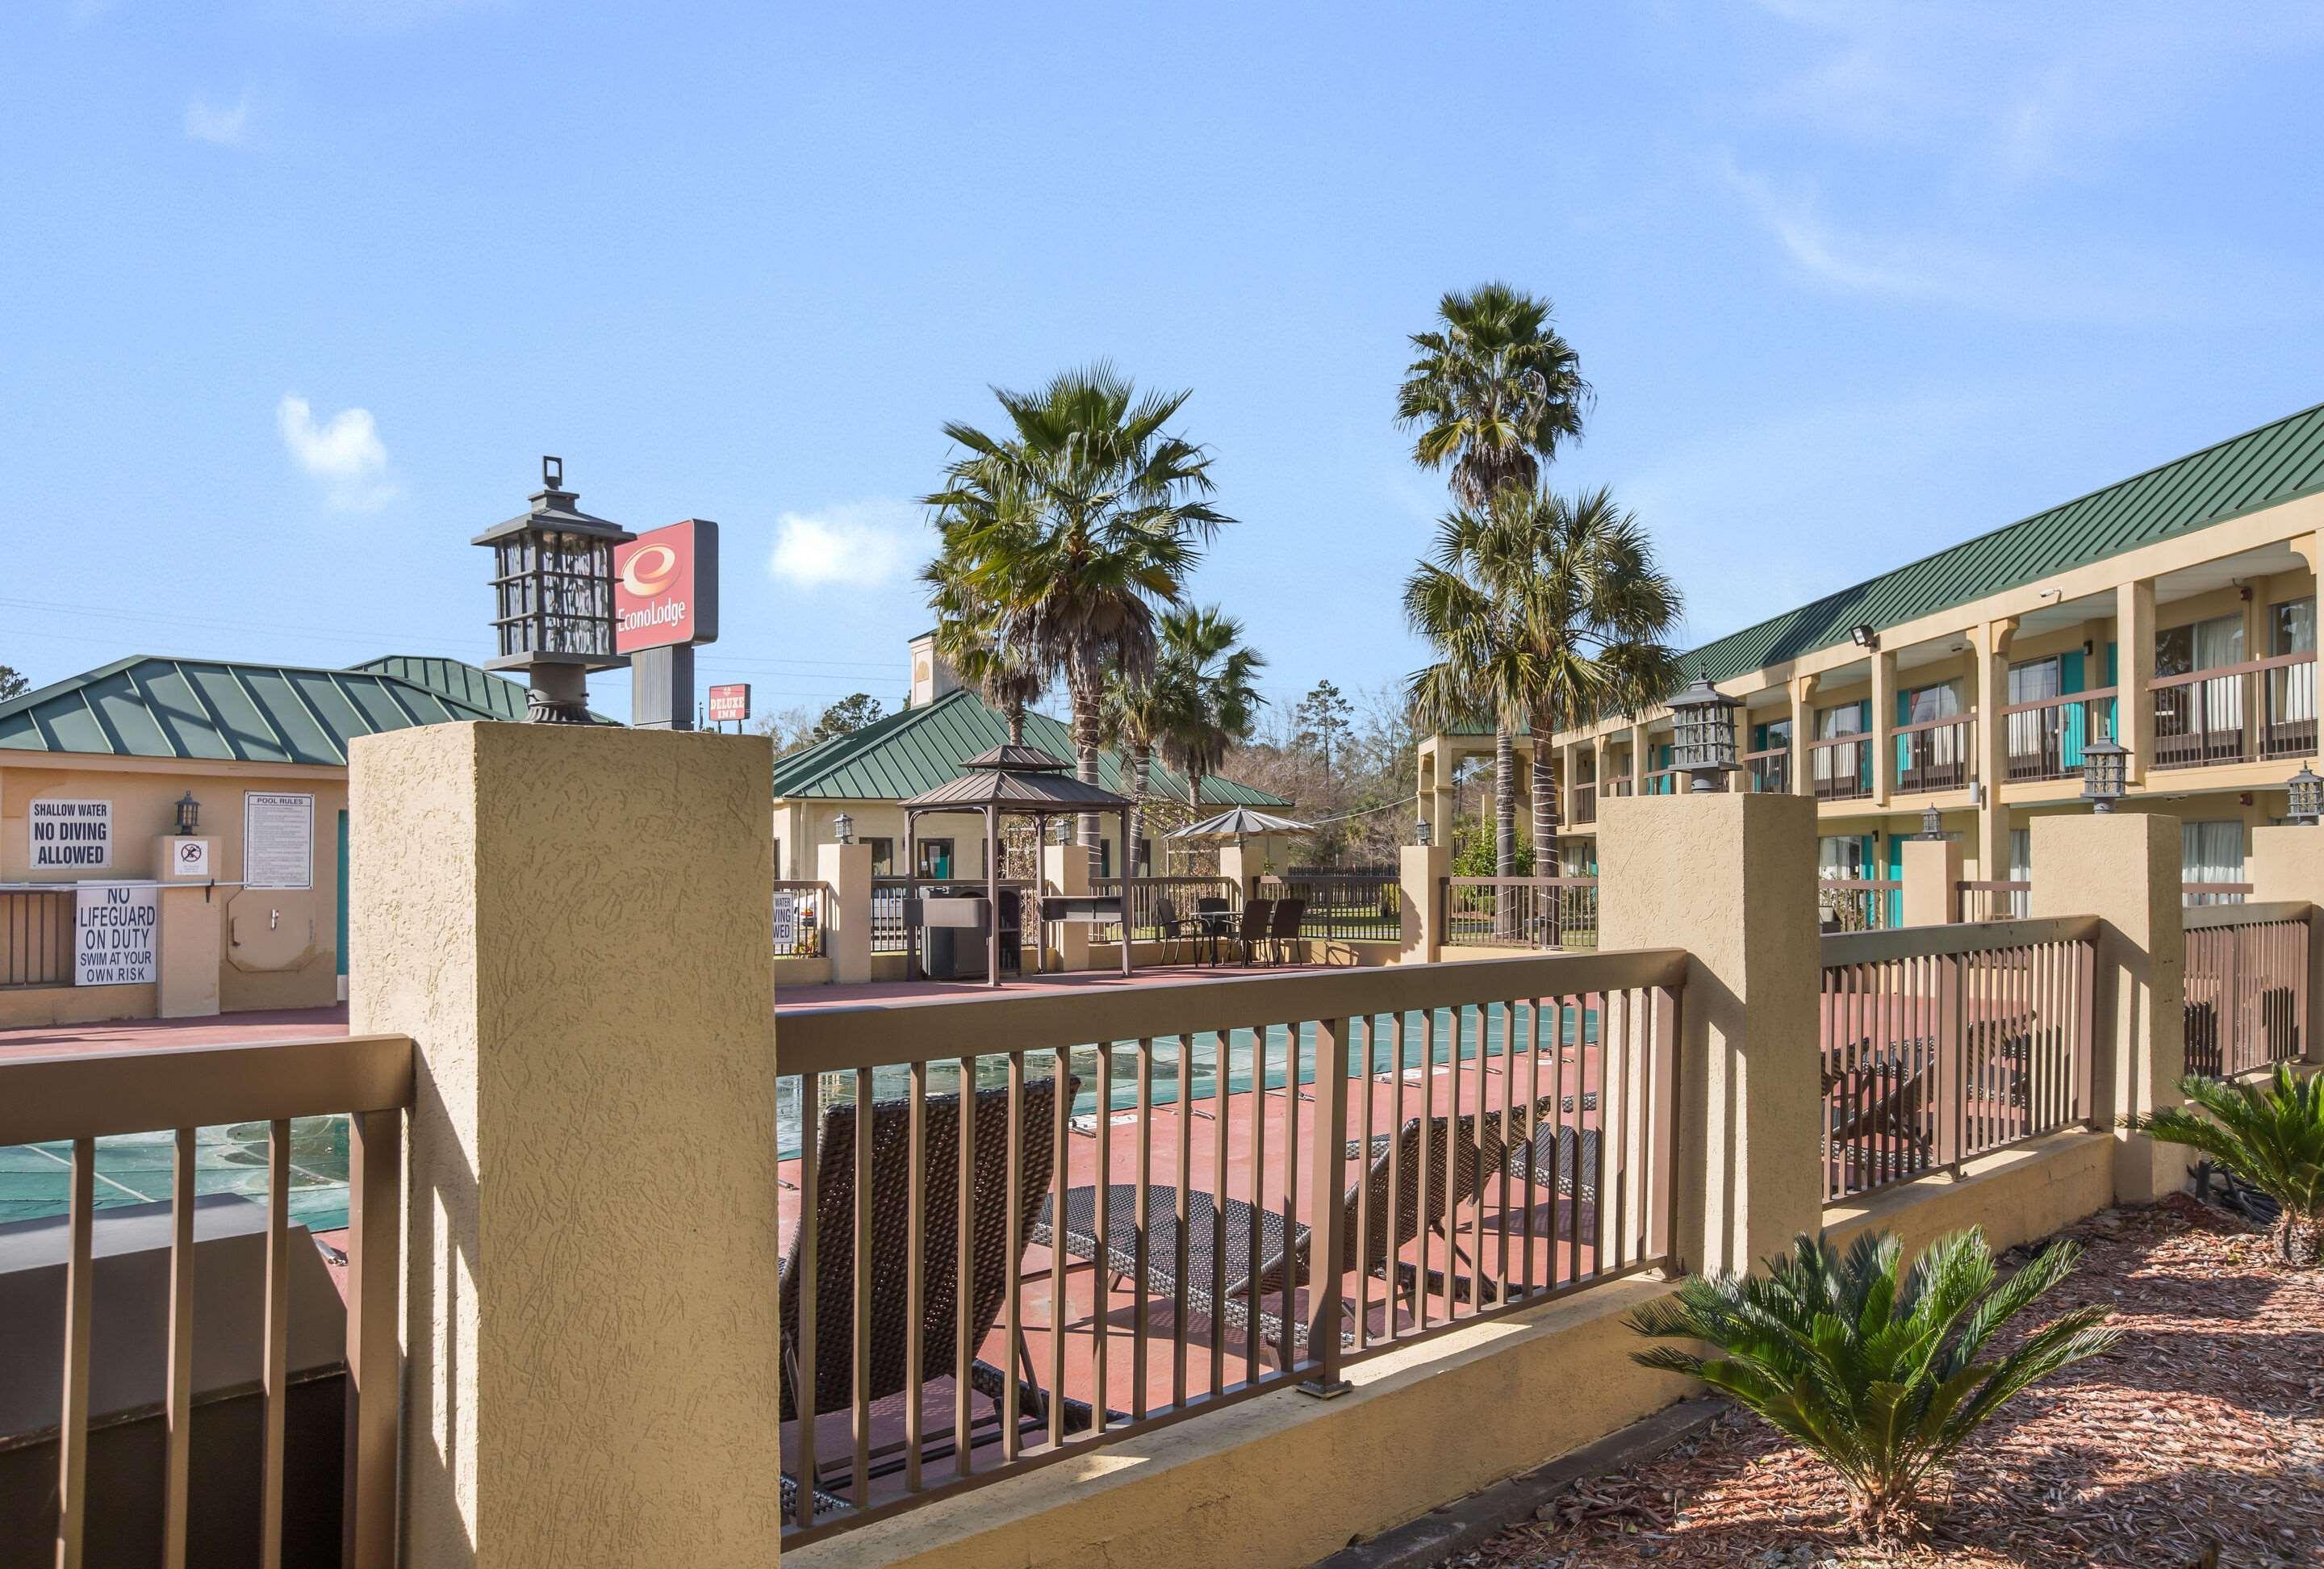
36 1179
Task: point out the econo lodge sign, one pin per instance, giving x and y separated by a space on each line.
666 588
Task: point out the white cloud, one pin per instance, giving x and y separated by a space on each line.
224 127
345 453
856 544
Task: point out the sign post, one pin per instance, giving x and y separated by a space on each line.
665 601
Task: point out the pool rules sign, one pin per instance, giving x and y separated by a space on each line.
71 835
117 936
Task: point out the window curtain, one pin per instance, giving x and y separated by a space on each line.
2218 644
2034 681
2292 690
2211 853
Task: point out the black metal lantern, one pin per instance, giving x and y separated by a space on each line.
1702 733
1932 824
2105 773
190 815
553 598
2304 793
843 828
1420 833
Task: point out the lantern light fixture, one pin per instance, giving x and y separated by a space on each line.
2104 771
1932 824
843 828
1420 833
2304 791
553 598
1702 733
189 816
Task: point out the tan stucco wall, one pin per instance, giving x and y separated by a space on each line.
2019 1195
289 957
572 925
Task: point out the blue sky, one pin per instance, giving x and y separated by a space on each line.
298 291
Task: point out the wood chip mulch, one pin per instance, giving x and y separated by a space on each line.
2204 1429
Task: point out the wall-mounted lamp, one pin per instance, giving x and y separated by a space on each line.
1932 824
842 829
190 815
1863 635
1420 833
2304 793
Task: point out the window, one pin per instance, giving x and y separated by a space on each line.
2034 681
2205 645
2199 721
935 858
1145 859
2291 688
2211 853
1840 858
1931 759
883 857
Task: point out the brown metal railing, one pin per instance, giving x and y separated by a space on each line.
1840 769
1351 907
1999 900
2043 739
80 1099
36 937
1858 904
2203 895
2247 987
2288 705
1769 773
811 906
888 895
1513 912
1942 1043
1934 755
1152 1206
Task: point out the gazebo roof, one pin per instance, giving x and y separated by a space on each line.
1019 760
1023 791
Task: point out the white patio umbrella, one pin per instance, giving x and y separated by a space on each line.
1239 822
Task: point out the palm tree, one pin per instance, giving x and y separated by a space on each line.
1211 700
1136 716
971 637
1495 388
1544 611
1075 527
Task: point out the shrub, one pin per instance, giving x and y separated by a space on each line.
2270 1134
1884 1377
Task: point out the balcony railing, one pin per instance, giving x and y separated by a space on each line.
1859 904
1768 773
1585 804
1089 1214
1508 912
2043 739
1934 755
1943 1043
1993 900
36 937
1346 906
2262 708
67 1105
1166 908
2247 987
1840 770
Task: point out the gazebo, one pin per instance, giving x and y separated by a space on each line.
1007 780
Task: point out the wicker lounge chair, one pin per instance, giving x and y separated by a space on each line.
1220 1256
994 1240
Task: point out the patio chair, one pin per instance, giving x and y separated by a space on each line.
1283 927
1167 928
1252 930
1459 1152
1884 1129
996 1236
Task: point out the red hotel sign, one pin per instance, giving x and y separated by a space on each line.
730 703
666 588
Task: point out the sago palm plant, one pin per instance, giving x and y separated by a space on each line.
1885 1374
2270 1134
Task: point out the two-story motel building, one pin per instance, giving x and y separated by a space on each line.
2175 611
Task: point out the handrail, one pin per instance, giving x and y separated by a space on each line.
2205 916
1914 942
2223 672
1853 738
92 1094
1523 882
1949 721
848 1037
2060 701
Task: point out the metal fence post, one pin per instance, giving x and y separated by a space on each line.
1952 1060
1327 1159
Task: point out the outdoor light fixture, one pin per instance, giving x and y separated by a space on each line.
2305 793
843 828
190 815
553 598
1864 636
1702 733
1420 833
1932 824
2104 770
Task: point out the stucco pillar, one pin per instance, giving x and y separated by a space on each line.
1422 869
2123 867
573 925
192 932
1802 692
1932 868
847 922
2133 635
1065 871
1731 878
2287 862
1989 649
1641 760
1884 725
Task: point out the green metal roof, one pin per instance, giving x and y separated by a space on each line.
917 750
2260 469
462 682
145 706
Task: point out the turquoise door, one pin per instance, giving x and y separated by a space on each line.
1894 900
343 895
